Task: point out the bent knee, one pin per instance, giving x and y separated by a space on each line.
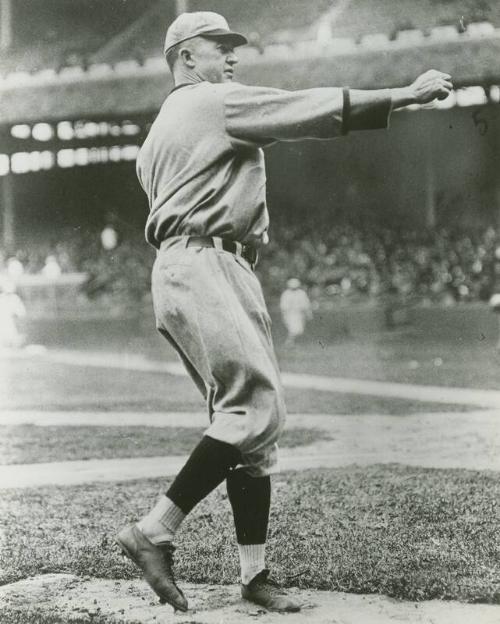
271 418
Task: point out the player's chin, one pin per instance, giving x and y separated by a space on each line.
227 76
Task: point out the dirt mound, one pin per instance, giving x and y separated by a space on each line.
66 598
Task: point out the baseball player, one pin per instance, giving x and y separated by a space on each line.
296 309
12 309
495 297
202 168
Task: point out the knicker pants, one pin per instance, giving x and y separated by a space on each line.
209 305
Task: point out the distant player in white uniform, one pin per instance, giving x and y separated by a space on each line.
495 297
296 310
495 306
12 309
202 168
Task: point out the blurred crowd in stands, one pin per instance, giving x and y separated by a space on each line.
116 268
334 262
433 266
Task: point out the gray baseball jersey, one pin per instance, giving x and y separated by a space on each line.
202 168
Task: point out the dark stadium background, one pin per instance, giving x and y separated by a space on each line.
372 201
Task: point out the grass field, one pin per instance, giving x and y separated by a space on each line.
407 355
27 444
405 532
53 387
411 533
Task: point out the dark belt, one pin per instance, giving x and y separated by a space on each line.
248 252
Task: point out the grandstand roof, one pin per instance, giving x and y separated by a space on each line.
285 21
288 21
52 33
142 90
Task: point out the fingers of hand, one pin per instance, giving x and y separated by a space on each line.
431 85
436 87
442 95
434 73
442 88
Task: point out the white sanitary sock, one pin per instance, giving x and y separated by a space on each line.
252 560
162 522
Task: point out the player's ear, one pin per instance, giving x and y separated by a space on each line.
186 55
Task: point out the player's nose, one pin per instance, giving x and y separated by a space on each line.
232 59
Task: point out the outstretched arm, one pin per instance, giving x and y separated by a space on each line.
263 115
365 109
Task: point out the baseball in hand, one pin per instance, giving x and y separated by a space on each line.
431 85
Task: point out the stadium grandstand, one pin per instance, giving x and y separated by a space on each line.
81 81
38 34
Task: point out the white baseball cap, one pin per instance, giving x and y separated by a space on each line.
201 23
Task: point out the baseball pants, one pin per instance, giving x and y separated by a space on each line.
209 305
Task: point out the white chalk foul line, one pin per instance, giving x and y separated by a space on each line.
482 420
435 394
67 418
468 440
70 473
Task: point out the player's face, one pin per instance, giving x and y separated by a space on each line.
215 60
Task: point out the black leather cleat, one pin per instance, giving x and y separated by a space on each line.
156 562
267 593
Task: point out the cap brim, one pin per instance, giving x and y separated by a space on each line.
235 38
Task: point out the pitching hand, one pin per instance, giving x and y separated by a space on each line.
431 85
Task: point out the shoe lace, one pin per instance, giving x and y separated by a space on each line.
167 548
167 551
270 584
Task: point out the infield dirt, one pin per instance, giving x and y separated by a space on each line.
66 597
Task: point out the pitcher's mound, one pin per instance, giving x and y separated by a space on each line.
61 598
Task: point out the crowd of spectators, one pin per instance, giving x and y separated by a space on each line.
441 265
116 267
335 262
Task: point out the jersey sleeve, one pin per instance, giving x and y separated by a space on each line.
262 115
366 110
